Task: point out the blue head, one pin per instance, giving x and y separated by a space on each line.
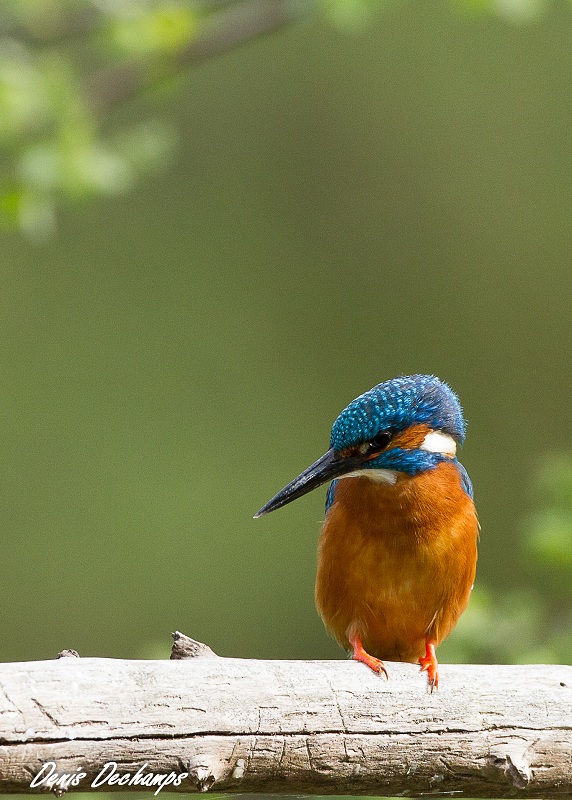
398 404
390 408
404 425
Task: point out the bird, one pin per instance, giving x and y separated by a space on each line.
397 550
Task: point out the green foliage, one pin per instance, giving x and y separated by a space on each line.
549 529
511 10
529 625
351 14
65 64
144 31
53 138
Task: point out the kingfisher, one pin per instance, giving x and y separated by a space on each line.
397 550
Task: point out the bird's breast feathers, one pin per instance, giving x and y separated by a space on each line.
397 560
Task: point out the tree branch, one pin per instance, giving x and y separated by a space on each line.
293 727
226 29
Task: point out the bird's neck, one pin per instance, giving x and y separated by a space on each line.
432 498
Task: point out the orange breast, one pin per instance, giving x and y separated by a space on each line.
396 563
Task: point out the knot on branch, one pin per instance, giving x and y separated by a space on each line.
185 647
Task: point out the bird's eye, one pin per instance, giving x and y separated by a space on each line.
380 441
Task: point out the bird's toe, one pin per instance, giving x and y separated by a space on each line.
429 664
359 654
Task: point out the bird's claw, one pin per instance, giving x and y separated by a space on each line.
429 664
372 662
359 654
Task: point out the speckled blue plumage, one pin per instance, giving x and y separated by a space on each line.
395 405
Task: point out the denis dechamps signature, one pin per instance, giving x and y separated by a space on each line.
109 775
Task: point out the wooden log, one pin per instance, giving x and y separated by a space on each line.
295 727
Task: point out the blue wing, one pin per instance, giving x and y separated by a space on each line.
465 480
330 495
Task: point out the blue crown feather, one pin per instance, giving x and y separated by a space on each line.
395 405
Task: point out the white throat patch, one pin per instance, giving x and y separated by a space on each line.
376 475
438 442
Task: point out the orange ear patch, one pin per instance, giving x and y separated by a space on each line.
411 438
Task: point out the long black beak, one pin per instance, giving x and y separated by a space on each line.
331 465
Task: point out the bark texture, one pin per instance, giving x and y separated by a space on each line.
295 727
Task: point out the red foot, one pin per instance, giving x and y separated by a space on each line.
429 665
372 662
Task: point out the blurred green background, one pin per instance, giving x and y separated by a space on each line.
196 279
